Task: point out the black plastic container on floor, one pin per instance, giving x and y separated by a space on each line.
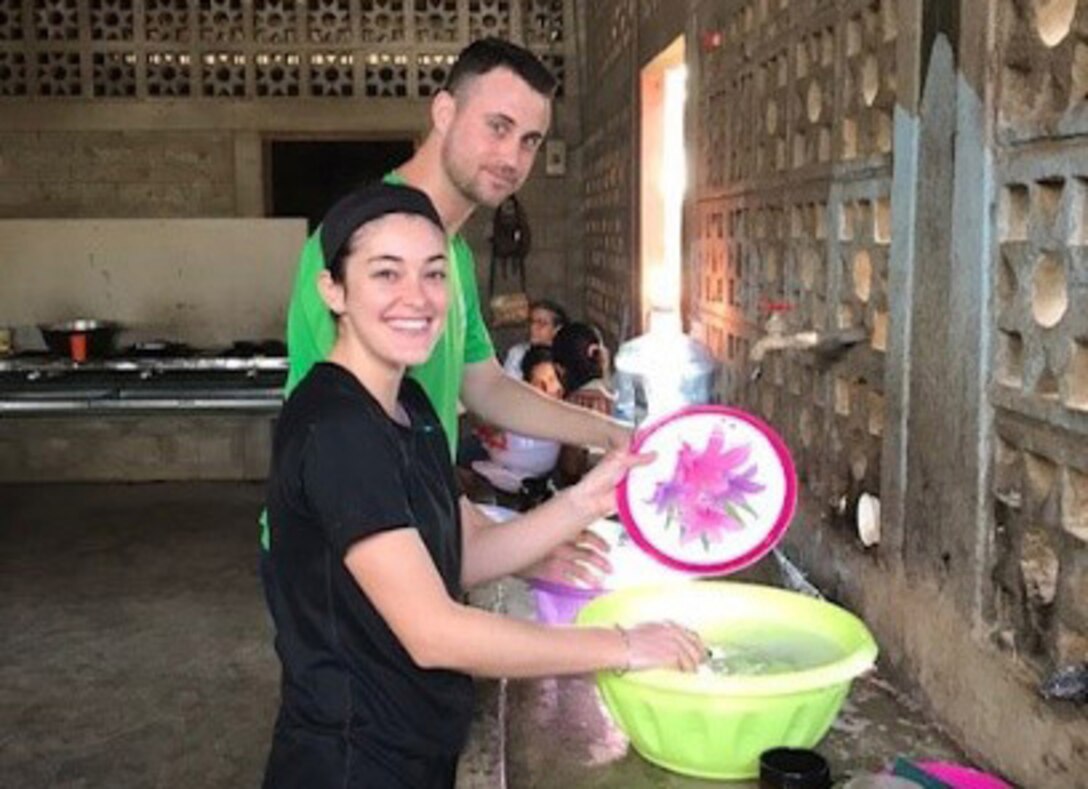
793 768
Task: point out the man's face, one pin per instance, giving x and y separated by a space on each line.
492 139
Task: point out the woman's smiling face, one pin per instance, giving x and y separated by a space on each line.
392 300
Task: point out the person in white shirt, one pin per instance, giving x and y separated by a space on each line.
546 318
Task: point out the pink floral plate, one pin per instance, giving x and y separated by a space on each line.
719 495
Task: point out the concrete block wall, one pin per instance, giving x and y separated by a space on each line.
206 282
610 174
170 117
80 173
135 448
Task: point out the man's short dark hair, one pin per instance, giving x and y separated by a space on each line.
488 54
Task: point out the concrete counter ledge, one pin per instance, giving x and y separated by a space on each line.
556 734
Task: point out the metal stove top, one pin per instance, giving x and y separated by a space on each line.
43 384
55 365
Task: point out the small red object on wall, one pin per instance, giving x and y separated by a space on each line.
711 40
769 306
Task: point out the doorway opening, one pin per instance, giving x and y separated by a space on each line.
662 181
307 176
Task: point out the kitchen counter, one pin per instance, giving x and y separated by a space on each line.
132 418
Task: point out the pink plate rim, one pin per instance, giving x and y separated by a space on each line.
773 536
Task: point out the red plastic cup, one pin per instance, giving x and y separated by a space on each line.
77 346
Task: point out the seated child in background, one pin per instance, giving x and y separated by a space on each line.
545 319
584 367
538 370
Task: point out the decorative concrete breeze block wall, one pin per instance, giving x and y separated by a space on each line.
916 170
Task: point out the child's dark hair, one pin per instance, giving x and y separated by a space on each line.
553 307
571 351
534 355
488 54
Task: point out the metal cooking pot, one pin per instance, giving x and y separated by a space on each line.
80 339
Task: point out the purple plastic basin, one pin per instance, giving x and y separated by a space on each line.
559 604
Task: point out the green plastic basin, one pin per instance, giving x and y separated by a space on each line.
715 725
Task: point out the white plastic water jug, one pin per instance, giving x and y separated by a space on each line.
661 371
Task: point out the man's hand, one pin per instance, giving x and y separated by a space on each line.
581 562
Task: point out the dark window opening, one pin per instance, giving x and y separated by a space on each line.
307 176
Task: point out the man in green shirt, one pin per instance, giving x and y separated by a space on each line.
487 126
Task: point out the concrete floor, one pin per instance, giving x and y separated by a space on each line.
136 649
137 653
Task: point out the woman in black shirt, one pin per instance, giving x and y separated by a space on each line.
368 553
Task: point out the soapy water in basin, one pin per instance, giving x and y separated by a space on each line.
748 661
766 653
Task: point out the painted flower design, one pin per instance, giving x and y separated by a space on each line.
708 490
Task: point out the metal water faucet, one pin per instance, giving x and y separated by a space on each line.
776 339
828 346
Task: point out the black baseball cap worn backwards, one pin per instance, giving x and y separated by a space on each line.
367 204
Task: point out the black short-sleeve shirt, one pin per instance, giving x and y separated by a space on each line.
342 470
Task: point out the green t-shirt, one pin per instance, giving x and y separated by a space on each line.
311 332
